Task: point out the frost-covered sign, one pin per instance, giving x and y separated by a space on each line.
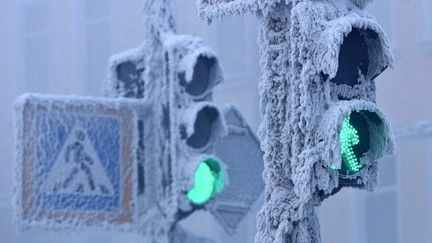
76 161
321 128
240 150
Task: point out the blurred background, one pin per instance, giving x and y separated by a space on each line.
62 47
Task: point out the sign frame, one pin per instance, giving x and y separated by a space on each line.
28 212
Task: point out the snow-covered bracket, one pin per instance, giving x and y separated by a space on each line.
76 161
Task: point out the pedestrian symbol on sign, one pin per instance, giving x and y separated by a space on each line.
77 161
78 169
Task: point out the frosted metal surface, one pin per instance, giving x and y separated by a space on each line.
74 160
240 151
302 110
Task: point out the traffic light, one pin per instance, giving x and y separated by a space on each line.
337 52
195 121
347 54
191 135
190 121
321 127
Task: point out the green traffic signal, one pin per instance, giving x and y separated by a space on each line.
349 138
208 181
361 137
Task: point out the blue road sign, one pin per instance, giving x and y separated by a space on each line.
77 161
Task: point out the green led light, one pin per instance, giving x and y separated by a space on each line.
349 137
208 180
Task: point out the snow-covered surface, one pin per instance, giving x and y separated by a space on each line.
112 84
241 153
328 132
213 9
46 146
181 56
189 116
165 59
300 44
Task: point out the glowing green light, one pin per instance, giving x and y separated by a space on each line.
208 180
349 137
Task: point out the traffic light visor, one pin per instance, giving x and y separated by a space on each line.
352 49
125 75
202 123
199 72
354 57
208 181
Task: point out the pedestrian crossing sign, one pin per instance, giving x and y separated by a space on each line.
76 161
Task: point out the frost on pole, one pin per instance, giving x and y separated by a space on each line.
321 129
75 161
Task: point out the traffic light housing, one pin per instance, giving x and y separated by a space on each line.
321 128
178 173
337 50
346 50
192 136
197 123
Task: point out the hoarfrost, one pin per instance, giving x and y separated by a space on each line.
300 43
64 178
214 9
167 70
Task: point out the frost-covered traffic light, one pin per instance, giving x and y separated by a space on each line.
185 144
195 120
177 155
321 127
349 52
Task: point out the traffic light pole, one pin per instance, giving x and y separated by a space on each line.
287 215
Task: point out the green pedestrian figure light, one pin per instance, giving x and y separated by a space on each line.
349 138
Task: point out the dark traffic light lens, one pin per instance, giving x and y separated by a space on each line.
202 78
354 142
130 76
203 127
208 181
354 57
